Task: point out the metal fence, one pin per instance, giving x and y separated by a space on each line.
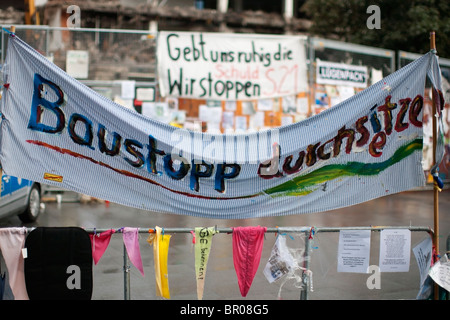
112 55
116 55
403 58
305 244
379 63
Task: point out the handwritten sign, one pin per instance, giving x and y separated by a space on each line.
230 66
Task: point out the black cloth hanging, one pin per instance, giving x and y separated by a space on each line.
58 264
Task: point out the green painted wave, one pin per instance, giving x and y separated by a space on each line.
303 185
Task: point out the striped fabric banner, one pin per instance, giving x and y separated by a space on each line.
57 131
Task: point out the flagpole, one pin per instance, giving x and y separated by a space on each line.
435 186
435 189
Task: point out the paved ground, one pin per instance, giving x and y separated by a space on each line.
405 209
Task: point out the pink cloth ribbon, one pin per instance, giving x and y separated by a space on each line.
12 241
247 248
131 241
100 243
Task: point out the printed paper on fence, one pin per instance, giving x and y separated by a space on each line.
57 131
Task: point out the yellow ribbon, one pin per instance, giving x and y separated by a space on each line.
160 252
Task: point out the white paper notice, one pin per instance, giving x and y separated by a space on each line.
77 63
241 123
128 87
145 94
423 256
228 120
265 104
210 114
354 251
156 110
302 105
230 105
395 247
148 109
440 273
377 75
286 120
346 92
258 120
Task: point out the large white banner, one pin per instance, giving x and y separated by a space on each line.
222 66
57 131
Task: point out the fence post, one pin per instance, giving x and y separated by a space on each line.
3 48
47 42
448 256
305 275
448 246
126 275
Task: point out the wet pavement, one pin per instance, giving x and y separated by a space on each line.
413 208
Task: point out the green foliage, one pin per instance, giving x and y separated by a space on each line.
405 24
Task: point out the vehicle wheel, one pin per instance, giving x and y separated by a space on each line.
33 209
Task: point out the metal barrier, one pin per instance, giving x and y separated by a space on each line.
119 55
116 54
318 230
379 63
113 54
403 58
126 266
343 52
309 234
